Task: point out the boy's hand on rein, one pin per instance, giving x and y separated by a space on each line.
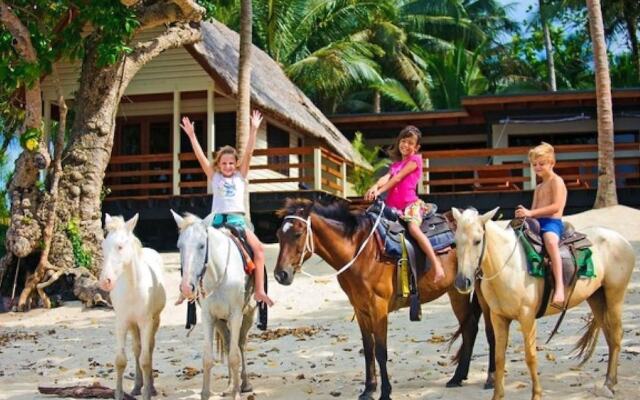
522 212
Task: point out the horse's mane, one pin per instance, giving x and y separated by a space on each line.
336 210
188 220
118 222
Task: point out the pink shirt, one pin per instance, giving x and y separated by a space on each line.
404 192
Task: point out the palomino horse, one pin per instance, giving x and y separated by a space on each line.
133 276
512 294
335 234
213 272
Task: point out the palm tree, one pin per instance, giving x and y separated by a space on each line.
606 194
244 77
545 18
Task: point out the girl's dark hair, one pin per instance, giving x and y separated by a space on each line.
409 130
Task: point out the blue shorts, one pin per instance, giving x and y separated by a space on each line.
553 225
232 219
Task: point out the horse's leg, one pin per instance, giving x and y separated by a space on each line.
135 338
468 315
612 328
247 321
501 329
491 339
235 323
121 357
147 340
370 382
528 325
152 345
380 325
207 358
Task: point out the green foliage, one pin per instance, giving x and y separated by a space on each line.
363 178
80 254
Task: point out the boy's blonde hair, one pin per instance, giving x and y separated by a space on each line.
222 151
543 151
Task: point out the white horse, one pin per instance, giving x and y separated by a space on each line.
212 271
513 294
133 276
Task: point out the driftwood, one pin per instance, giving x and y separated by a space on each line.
94 391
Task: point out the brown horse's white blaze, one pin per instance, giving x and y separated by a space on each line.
336 235
512 294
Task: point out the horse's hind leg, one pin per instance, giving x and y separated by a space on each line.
135 338
612 328
121 358
247 321
468 316
235 323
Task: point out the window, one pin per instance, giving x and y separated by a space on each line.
277 137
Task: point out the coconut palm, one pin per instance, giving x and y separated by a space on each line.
606 194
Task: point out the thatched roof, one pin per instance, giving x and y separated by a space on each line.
271 89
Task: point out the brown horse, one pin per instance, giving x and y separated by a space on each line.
335 233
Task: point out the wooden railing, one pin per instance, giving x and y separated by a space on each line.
285 168
508 169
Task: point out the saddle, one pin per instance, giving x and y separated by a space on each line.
574 251
397 245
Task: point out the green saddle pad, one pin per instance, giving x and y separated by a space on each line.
535 261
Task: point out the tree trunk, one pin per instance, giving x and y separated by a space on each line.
244 77
632 26
376 102
606 194
244 88
86 158
548 46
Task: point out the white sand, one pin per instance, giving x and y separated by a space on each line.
75 346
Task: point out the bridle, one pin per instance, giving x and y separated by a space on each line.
201 293
308 245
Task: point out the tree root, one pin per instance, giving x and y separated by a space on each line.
94 391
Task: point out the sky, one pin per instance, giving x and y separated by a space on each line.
518 9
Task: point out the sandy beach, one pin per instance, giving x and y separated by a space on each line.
315 351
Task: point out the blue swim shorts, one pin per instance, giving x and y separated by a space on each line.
553 225
232 219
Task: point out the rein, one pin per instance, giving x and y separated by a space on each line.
308 245
484 247
201 293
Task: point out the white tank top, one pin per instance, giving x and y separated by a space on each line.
228 193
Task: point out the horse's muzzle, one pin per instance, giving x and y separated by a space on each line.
284 276
463 284
187 289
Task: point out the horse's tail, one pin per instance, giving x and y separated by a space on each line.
587 344
471 318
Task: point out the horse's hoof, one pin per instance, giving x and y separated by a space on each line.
365 396
489 385
137 391
205 396
246 388
153 391
454 383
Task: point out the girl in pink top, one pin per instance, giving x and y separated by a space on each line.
401 182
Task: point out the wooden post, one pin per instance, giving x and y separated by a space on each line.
317 168
422 188
211 128
343 169
532 177
176 143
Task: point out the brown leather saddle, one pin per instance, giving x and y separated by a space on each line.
570 242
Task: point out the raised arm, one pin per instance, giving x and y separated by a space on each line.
187 126
245 163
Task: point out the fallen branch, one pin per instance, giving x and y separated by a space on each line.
94 391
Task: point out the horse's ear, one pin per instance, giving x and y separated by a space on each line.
489 215
177 217
208 220
456 213
132 222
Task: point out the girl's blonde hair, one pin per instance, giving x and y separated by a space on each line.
407 131
221 152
